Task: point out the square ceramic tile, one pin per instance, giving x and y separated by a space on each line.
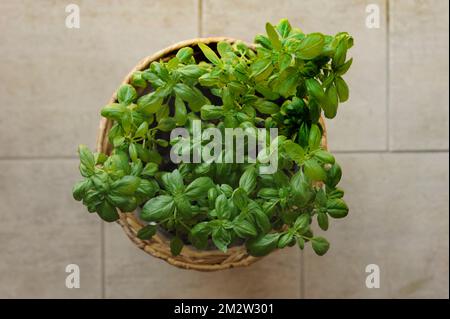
398 220
56 79
43 230
361 122
418 103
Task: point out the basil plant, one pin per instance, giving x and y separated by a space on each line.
287 80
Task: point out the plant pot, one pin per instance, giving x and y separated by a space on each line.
159 245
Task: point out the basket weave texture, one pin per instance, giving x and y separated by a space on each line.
159 245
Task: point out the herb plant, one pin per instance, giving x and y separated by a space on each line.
287 81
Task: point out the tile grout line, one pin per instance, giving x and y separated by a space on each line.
102 260
200 18
388 76
302 275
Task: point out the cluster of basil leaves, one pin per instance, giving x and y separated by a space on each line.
286 83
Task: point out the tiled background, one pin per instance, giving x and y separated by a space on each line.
391 139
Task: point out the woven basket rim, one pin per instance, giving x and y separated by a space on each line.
158 246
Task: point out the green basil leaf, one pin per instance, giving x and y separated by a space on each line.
342 89
240 198
210 54
322 220
340 55
149 103
294 151
268 193
150 169
127 185
311 46
199 188
301 224
211 112
167 124
337 208
221 238
301 242
266 107
176 245
334 175
301 189
324 156
285 239
126 94
284 28
132 150
315 89
185 54
243 228
138 80
107 212
80 188
199 235
330 102
320 245
344 67
173 182
222 207
248 180
263 41
262 245
147 232
158 208
315 137
314 171
262 220
113 111
147 188
273 36
86 157
141 130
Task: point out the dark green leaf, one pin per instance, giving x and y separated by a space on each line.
221 238
158 208
334 175
176 245
285 239
315 137
320 245
324 156
147 232
262 245
107 212
248 180
199 188
337 208
127 185
322 220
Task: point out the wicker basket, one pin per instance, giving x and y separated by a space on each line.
159 245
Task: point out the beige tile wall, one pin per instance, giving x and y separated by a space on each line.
391 138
